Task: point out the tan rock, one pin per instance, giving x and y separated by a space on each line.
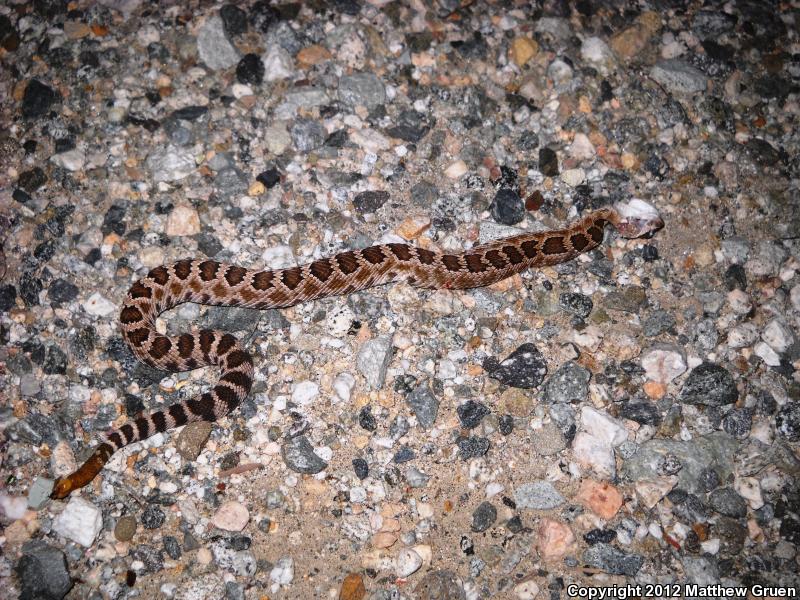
313 55
352 587
522 50
602 498
555 539
183 220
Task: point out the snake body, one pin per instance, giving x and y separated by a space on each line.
219 284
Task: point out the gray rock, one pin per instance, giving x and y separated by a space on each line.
170 163
709 384
424 404
373 359
712 451
364 89
679 77
548 440
214 47
483 517
42 572
440 585
192 439
727 502
39 492
569 384
230 182
539 495
298 454
611 560
307 134
416 478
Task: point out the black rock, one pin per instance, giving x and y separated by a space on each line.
45 251
474 48
709 384
172 547
787 421
153 517
189 113
424 404
472 447
708 479
152 558
600 536
369 202
8 297
262 15
578 304
361 468
645 413
21 195
471 413
405 454
113 220
507 207
55 362
613 561
234 19
735 278
366 419
727 502
38 98
42 572
524 368
270 178
9 37
738 422
61 291
250 69
506 424
298 455
32 180
658 322
548 162
483 517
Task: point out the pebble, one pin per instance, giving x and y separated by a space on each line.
507 207
305 392
538 495
125 528
373 359
283 571
153 517
231 516
679 77
662 364
569 384
602 426
472 447
99 306
456 170
524 368
709 384
440 585
80 521
471 413
594 453
573 177
38 99
778 336
214 47
522 50
278 64
727 502
483 517
407 562
596 52
192 439
527 590
39 493
183 221
548 162
299 456
42 572
362 89
610 560
250 69
72 160
554 540
170 163
651 492
352 587
424 404
787 422
601 497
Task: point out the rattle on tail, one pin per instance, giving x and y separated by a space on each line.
219 284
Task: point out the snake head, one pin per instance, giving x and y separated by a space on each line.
637 218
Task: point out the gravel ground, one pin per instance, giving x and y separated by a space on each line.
630 417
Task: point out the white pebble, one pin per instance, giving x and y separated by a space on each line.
343 386
231 516
339 321
279 257
283 571
80 522
72 160
602 426
767 354
527 590
456 170
99 306
663 364
13 507
778 336
595 51
305 392
742 335
407 562
740 302
594 453
278 64
573 177
183 220
581 148
370 140
750 489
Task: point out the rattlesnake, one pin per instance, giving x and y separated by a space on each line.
219 284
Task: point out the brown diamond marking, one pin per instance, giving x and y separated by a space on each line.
237 358
529 248
159 421
475 263
321 269
262 280
451 262
227 395
401 251
137 337
292 277
554 245
140 290
130 314
496 259
186 345
347 261
160 347
514 255
225 344
425 256
579 241
235 275
237 378
182 269
207 338
208 270
597 234
373 255
178 414
160 275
